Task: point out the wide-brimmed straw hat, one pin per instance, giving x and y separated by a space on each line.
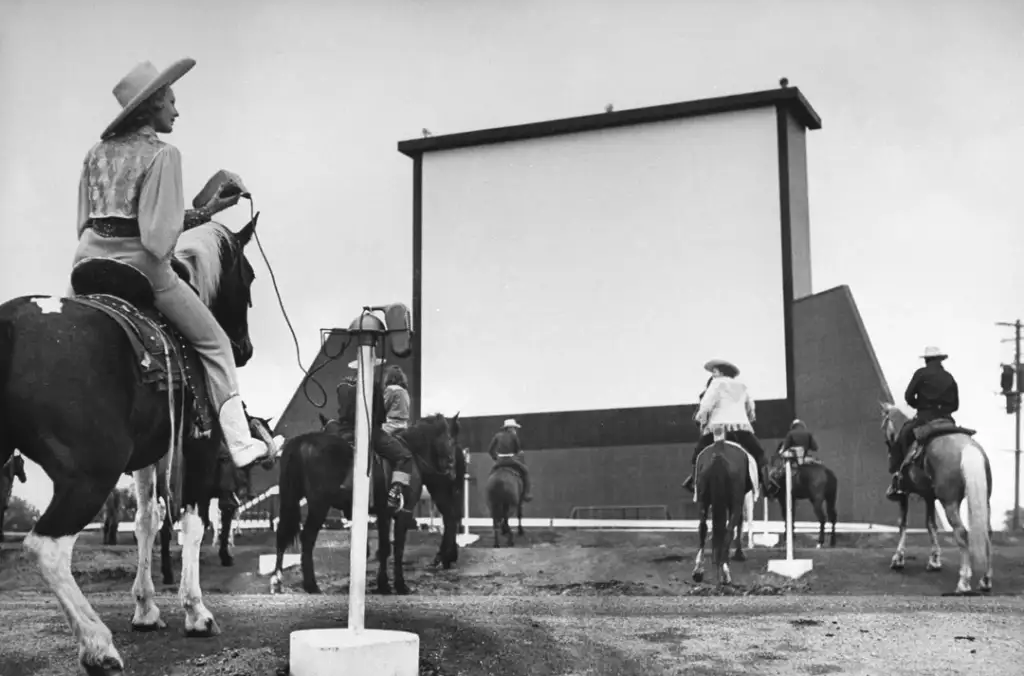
726 367
932 352
142 82
511 422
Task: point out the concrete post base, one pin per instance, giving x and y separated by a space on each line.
333 652
269 561
791 568
466 539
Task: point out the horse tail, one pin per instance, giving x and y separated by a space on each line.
720 492
972 465
290 490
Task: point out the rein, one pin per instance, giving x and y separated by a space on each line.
288 321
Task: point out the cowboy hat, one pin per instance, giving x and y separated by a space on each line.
354 364
511 422
726 367
142 82
932 352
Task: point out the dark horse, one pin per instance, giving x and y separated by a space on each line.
84 392
12 469
504 494
722 474
229 483
315 465
812 481
111 517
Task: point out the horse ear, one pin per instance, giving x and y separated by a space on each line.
246 233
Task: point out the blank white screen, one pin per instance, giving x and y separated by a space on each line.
602 269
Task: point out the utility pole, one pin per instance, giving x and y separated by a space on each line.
1012 392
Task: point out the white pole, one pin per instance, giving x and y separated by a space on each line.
789 512
367 328
465 495
765 516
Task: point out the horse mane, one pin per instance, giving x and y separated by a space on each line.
200 250
423 431
889 407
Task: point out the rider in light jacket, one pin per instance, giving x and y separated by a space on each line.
727 402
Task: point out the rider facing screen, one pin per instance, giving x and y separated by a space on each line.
505 448
131 209
799 437
726 402
934 392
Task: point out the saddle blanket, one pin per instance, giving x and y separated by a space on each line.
155 345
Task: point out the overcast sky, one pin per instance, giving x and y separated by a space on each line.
914 177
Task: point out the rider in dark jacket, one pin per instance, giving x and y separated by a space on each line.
935 394
505 448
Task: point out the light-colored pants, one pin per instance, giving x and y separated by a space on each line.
182 307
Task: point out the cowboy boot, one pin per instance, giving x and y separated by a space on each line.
527 493
245 451
396 497
895 490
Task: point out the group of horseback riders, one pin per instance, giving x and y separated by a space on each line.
933 392
131 209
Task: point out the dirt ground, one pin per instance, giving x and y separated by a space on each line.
565 603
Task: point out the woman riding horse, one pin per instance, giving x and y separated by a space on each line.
131 209
726 402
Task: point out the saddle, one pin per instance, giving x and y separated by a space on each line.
510 462
163 357
930 431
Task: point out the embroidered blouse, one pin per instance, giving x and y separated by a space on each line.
137 176
726 402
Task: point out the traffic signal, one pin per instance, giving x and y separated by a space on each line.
1012 402
1006 380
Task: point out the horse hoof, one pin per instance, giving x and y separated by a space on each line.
739 555
208 631
932 567
402 590
155 626
110 666
522 532
985 585
382 590
311 588
168 579
227 560
698 577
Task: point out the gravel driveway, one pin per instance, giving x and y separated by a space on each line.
560 635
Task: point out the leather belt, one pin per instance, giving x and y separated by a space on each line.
113 226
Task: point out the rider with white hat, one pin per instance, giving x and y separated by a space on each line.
505 449
933 391
726 402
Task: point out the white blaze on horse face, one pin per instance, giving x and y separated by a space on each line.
49 305
53 555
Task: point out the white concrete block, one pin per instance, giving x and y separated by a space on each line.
766 539
466 539
340 652
268 561
791 568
